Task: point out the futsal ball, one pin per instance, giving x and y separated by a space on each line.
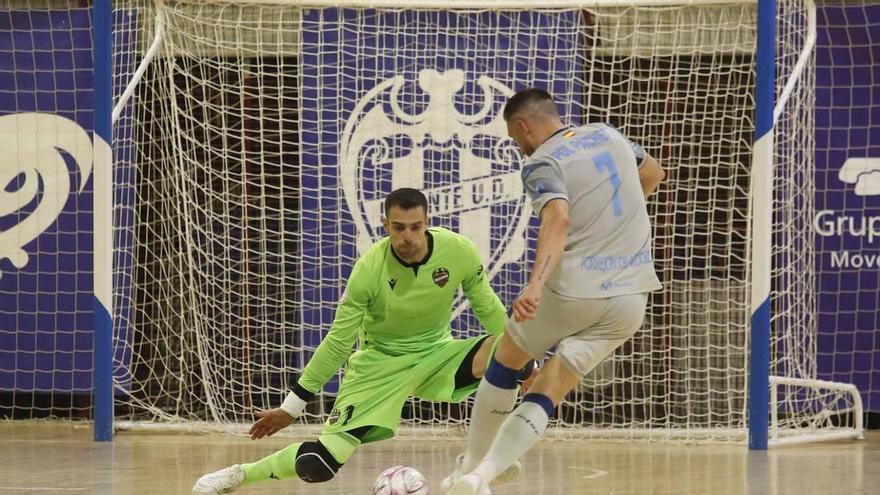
401 480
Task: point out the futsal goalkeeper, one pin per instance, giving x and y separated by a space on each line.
398 306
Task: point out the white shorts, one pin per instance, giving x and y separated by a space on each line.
584 331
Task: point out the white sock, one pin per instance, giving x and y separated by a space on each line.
519 432
491 407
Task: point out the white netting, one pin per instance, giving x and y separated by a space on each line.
847 212
266 134
46 83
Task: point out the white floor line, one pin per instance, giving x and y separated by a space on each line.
41 488
597 473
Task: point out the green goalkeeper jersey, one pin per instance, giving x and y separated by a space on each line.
398 308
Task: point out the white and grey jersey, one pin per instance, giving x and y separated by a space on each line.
608 249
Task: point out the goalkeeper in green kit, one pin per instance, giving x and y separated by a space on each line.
398 306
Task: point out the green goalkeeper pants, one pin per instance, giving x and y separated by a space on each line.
376 386
368 408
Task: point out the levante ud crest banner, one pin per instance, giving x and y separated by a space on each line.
385 108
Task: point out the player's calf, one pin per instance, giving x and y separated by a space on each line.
310 461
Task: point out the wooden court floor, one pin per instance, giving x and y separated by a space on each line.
60 458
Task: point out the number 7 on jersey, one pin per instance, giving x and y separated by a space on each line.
603 161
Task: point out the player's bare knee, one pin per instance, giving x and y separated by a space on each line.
315 464
510 355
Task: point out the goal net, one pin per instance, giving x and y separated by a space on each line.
264 136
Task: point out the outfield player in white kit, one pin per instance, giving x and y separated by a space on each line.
588 287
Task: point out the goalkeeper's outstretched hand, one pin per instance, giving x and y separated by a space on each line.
270 422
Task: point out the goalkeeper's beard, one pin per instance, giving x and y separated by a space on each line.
406 251
409 252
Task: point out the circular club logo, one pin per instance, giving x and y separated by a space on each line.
448 139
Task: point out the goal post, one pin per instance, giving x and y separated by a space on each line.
762 224
102 381
266 133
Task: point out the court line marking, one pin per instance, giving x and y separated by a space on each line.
597 473
42 488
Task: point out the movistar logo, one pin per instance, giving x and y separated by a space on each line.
858 231
864 173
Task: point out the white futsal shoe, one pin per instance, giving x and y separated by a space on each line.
470 484
506 476
225 480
